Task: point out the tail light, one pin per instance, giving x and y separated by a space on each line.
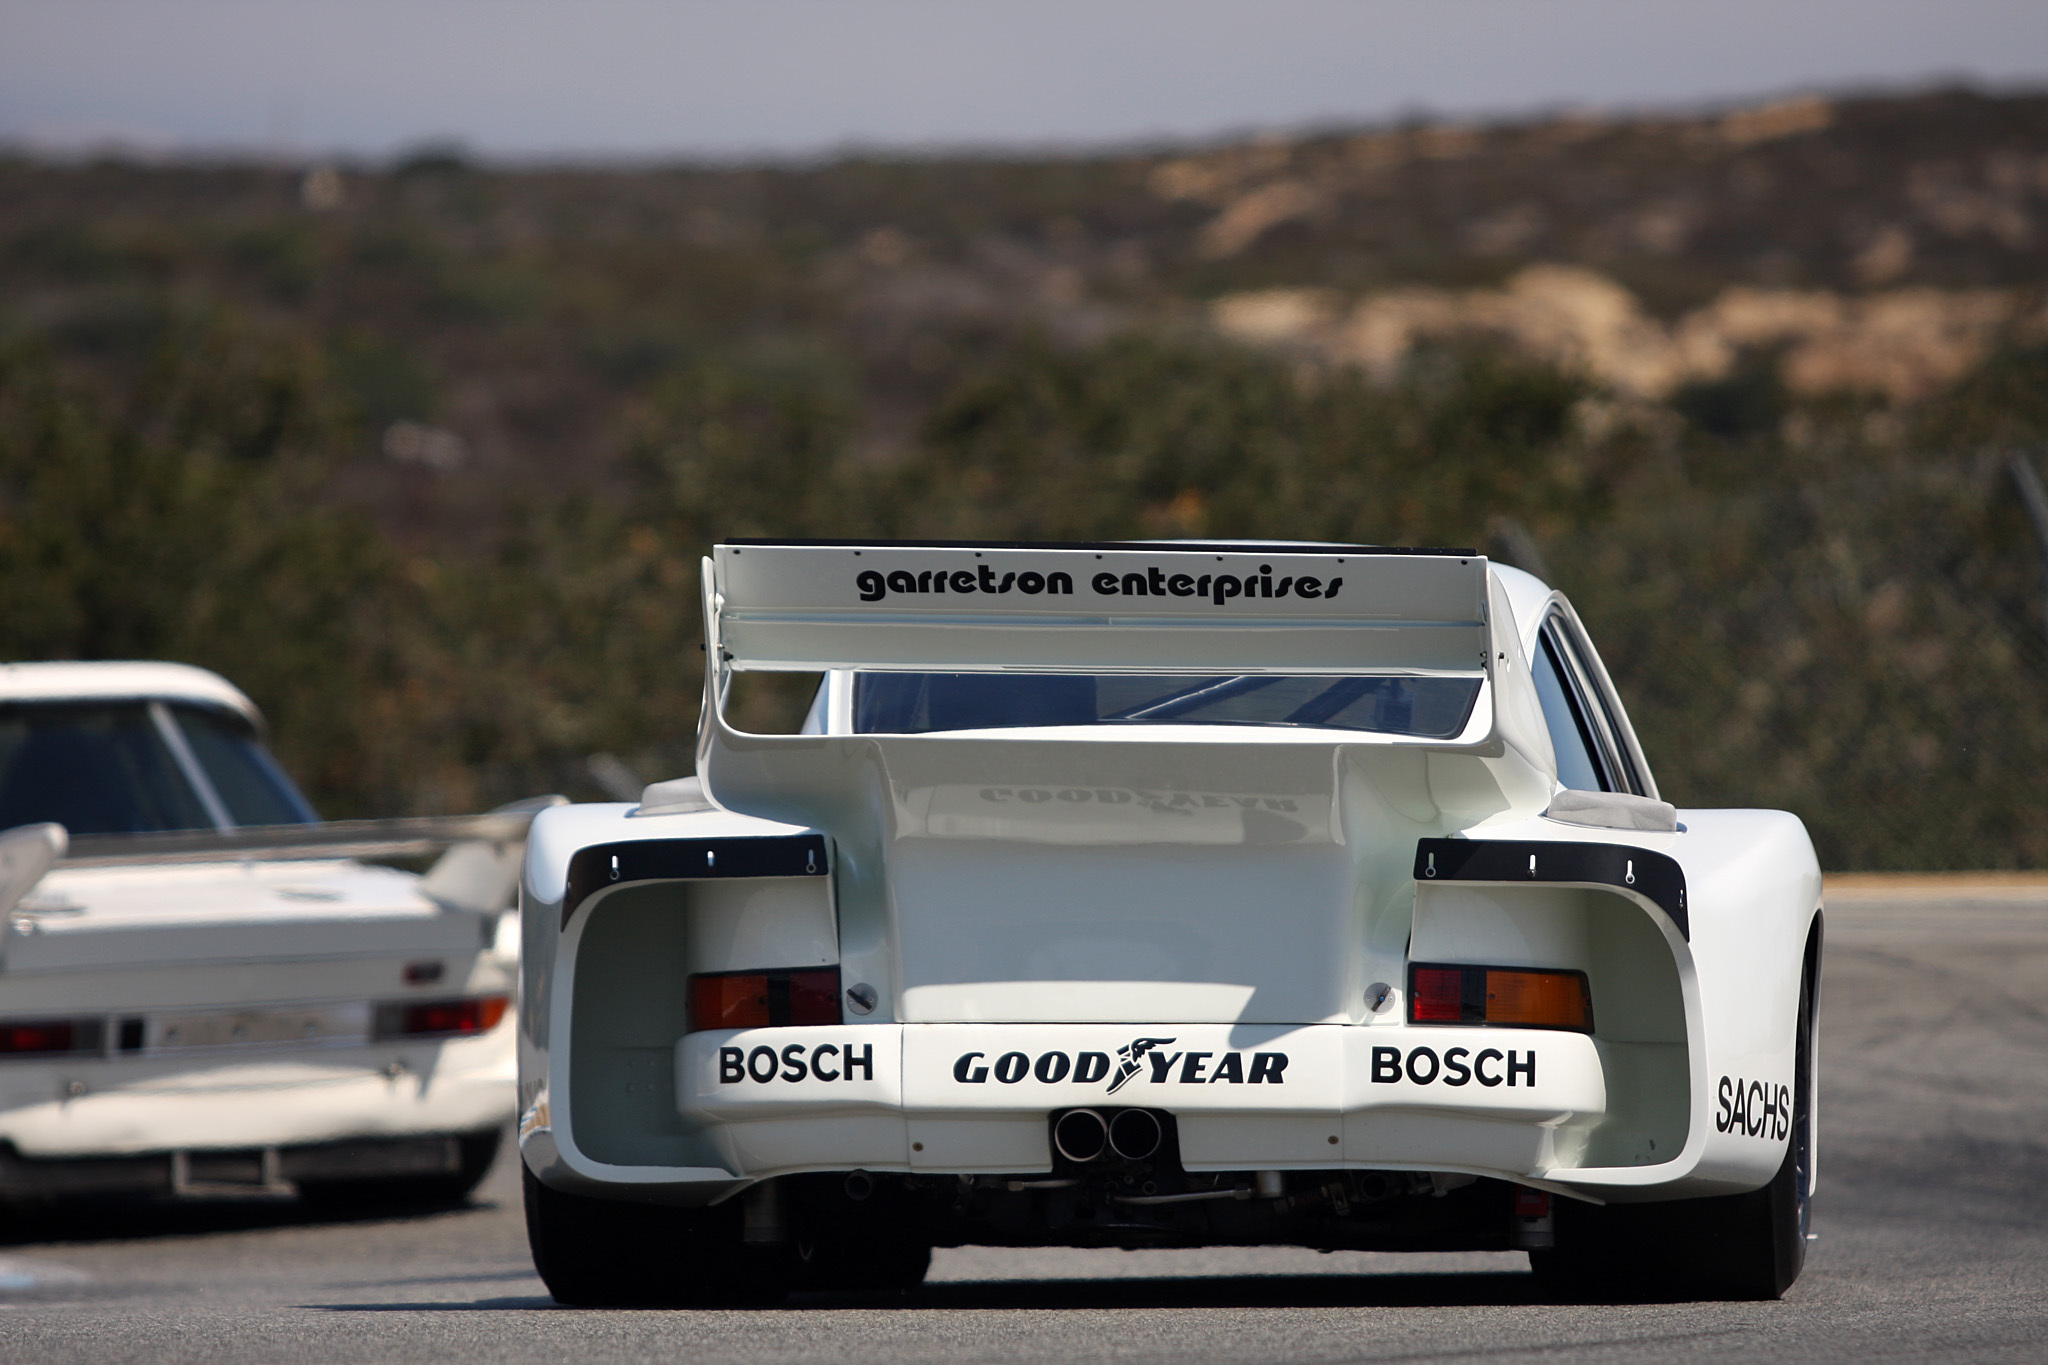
441 1018
764 999
1514 996
47 1037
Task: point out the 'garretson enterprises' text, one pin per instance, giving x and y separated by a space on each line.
1219 588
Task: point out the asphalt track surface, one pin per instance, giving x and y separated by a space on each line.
1932 1220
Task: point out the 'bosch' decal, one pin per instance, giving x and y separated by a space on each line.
826 1062
1489 1066
1754 1109
1135 1060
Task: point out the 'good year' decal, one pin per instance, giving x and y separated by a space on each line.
1754 1109
1134 1059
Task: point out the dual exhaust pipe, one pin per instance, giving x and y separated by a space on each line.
1085 1135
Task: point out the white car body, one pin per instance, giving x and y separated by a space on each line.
227 1009
1217 923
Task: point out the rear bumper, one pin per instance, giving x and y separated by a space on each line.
970 1099
974 1099
214 1173
111 1107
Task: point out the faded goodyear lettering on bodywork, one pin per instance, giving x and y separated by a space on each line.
1050 811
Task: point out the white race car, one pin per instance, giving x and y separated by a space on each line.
202 991
1162 895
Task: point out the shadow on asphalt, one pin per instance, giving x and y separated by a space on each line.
129 1220
1251 1291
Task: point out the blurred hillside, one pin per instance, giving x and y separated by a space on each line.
424 456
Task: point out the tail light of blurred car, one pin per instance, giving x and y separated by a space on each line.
48 1037
441 1018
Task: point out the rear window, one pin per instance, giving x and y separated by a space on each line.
921 703
97 769
109 768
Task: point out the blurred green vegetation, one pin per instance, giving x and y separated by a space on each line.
428 471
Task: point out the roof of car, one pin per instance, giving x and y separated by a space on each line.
122 681
1528 595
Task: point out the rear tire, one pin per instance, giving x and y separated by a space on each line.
1741 1246
598 1253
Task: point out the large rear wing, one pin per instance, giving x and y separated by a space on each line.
1112 608
1166 608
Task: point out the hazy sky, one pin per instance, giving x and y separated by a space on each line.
550 78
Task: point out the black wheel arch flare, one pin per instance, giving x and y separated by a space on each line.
600 866
1656 877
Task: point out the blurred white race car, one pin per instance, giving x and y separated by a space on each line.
203 989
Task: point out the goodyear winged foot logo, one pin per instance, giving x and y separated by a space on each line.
1127 1059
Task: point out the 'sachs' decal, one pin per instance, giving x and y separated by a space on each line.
1457 1066
1754 1109
826 1062
1141 1057
874 585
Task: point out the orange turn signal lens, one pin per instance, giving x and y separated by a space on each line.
1515 996
764 999
729 1000
1539 999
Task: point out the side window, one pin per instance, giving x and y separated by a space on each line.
1576 768
1607 730
247 779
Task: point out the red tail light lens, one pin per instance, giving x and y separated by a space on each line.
1515 996
443 1018
1438 995
764 999
26 1037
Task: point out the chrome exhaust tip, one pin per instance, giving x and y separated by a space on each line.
1080 1136
1134 1134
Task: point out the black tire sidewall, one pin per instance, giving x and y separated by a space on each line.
1742 1246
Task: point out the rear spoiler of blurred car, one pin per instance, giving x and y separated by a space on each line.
1120 607
400 838
478 868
